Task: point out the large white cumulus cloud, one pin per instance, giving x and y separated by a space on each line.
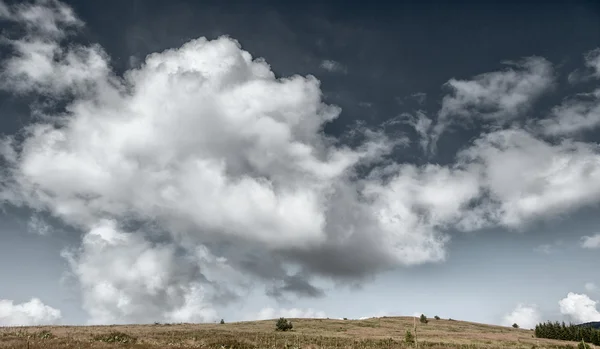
579 307
206 136
30 313
204 149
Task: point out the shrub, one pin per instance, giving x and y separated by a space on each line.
115 337
283 324
515 325
583 345
44 335
222 322
345 318
408 337
423 319
436 317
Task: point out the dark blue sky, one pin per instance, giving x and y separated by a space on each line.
392 50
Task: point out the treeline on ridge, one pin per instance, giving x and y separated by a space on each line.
555 330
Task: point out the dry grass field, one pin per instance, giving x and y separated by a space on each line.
386 332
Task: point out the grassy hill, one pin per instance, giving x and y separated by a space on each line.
384 333
595 324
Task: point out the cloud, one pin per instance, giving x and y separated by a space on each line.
545 249
548 248
125 278
4 10
275 313
592 60
420 97
422 199
591 242
30 313
591 70
47 18
40 64
526 316
199 174
580 112
38 225
422 124
575 115
294 284
579 307
496 96
333 66
590 286
527 178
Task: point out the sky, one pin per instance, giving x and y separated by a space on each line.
192 161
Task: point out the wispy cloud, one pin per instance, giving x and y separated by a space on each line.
580 112
496 96
590 286
548 248
576 114
592 60
592 68
545 249
4 10
38 225
333 66
591 242
420 97
421 124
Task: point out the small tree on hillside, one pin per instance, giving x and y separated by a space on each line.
515 325
423 319
583 345
436 317
222 322
408 337
283 324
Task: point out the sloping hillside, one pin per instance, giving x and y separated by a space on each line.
386 332
595 324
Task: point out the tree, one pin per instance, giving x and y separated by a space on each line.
436 317
408 337
222 322
515 325
283 324
556 330
423 319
